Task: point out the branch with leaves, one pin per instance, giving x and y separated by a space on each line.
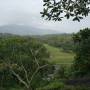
58 9
28 80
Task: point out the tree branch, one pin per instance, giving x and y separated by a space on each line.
19 78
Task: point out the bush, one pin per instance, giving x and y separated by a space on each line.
17 53
81 66
53 86
76 88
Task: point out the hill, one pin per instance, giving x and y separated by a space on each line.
25 30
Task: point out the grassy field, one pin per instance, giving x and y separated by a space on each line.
57 56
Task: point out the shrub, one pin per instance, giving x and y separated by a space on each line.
81 66
53 86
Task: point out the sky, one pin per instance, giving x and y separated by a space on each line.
27 12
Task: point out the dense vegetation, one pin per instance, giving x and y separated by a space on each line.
45 62
82 50
20 60
63 41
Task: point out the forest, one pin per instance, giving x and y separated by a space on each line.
47 62
44 44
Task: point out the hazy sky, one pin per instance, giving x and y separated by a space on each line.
27 12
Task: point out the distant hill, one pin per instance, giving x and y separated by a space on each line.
25 30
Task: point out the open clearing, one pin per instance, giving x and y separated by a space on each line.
57 56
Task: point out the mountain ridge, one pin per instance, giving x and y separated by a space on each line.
25 30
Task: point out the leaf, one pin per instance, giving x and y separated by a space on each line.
67 15
76 19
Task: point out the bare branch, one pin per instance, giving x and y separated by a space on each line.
26 74
19 78
34 58
36 71
37 51
34 75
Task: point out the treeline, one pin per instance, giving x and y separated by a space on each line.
63 41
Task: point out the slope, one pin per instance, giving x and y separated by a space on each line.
57 56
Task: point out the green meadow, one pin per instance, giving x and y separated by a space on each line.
57 56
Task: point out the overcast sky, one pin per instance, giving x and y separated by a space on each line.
27 12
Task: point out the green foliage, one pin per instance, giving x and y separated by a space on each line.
57 85
57 56
66 87
12 88
61 72
82 59
18 51
76 87
53 86
63 41
58 9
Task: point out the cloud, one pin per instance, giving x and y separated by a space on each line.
27 12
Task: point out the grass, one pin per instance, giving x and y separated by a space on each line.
57 56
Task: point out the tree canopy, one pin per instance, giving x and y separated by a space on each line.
22 60
82 58
58 9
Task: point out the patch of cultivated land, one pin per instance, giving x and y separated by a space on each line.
57 56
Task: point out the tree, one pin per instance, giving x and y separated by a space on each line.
58 9
23 60
81 66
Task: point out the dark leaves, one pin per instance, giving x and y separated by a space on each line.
54 9
77 18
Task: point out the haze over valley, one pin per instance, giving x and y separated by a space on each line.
26 30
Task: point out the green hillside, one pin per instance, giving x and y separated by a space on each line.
57 56
64 41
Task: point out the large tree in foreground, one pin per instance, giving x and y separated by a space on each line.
22 60
58 9
81 64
